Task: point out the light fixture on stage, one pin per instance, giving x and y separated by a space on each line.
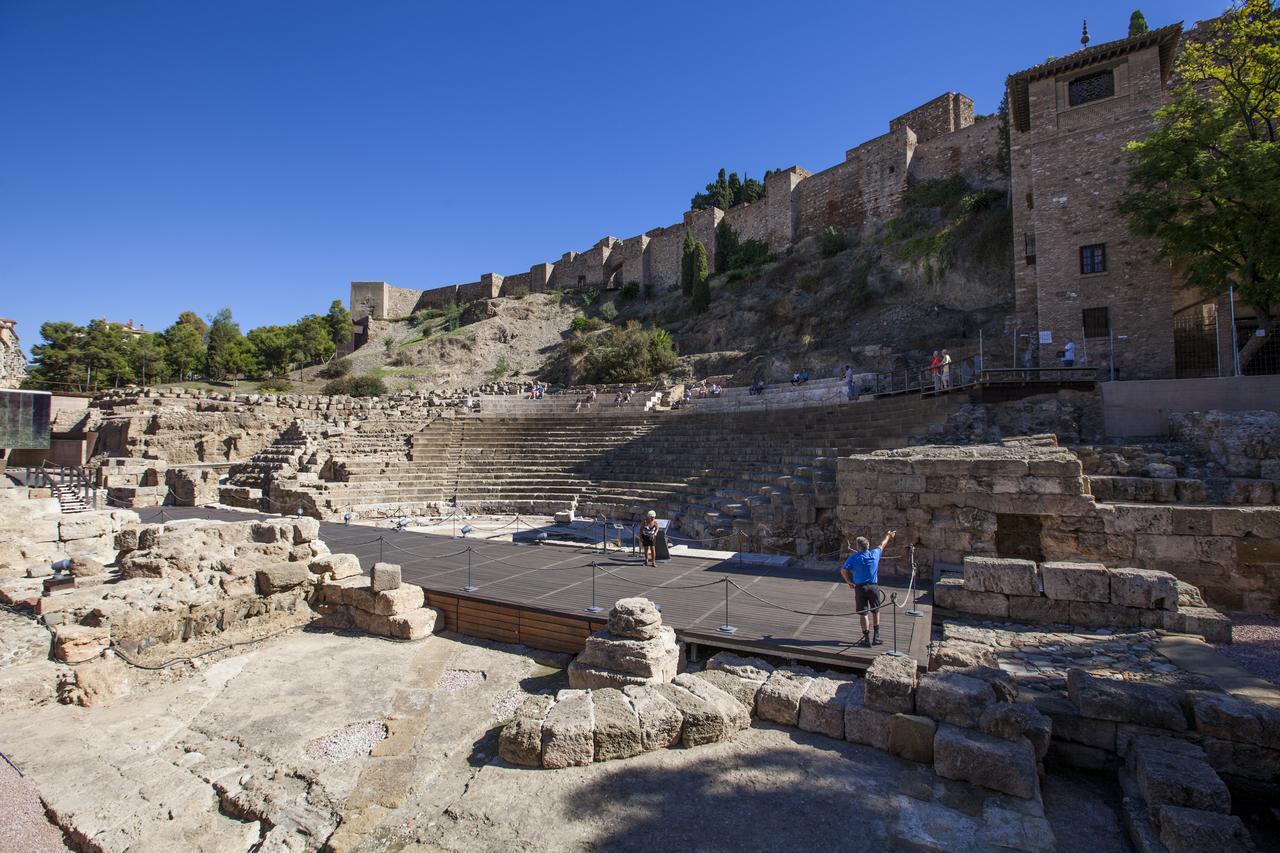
299 512
466 528
346 519
403 523
541 538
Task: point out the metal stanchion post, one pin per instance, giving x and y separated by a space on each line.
594 608
914 611
893 602
379 549
726 628
469 587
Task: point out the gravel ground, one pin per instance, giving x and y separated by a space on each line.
23 826
351 741
504 707
457 680
1256 645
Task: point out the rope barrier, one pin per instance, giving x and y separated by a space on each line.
652 585
803 612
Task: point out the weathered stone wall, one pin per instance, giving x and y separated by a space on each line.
862 192
13 364
1034 502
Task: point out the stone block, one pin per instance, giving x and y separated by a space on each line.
305 530
911 737
702 722
568 731
1184 830
822 706
1039 610
370 622
1015 721
1068 581
959 654
281 577
1081 756
86 525
617 732
1175 772
612 661
1093 614
1125 701
336 566
891 685
778 699
1228 717
736 716
950 697
1002 575
84 567
742 689
635 618
520 742
862 724
1203 621
264 532
1145 588
78 643
385 576
416 624
950 594
753 669
564 516
990 762
1245 761
394 602
660 720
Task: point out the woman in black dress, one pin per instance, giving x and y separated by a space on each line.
649 539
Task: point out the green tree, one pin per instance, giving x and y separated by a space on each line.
104 349
238 358
686 266
147 357
223 333
192 319
339 322
1138 23
274 347
184 346
701 283
726 192
1205 185
727 244
314 338
58 362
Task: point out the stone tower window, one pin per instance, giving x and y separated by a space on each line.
1093 259
1029 240
1091 87
1096 322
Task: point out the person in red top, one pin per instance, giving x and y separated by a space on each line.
935 370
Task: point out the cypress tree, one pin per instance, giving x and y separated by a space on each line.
1138 23
701 281
686 266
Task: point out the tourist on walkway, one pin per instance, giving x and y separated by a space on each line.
935 370
848 381
649 534
862 573
1069 353
946 369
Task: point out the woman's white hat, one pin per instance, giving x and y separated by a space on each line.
652 514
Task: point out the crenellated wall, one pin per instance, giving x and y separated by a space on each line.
935 140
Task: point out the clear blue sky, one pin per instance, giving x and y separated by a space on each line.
160 156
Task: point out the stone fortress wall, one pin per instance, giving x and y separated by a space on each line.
939 139
13 364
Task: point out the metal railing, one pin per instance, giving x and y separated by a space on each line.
66 480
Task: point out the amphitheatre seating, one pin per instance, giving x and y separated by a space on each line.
642 401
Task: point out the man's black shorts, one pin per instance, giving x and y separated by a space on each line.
866 596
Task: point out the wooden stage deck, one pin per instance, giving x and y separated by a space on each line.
537 595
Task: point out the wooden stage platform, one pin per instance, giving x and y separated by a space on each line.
538 594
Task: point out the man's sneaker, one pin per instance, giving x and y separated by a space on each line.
877 641
865 642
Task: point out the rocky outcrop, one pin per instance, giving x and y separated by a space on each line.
380 604
1245 444
635 648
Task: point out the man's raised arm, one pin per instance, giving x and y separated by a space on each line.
888 537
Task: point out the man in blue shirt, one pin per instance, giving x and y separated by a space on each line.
862 573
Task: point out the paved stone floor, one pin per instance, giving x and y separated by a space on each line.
206 757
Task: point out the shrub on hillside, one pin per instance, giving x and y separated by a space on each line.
335 369
832 242
629 291
586 324
630 354
276 384
426 315
609 311
402 358
355 386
